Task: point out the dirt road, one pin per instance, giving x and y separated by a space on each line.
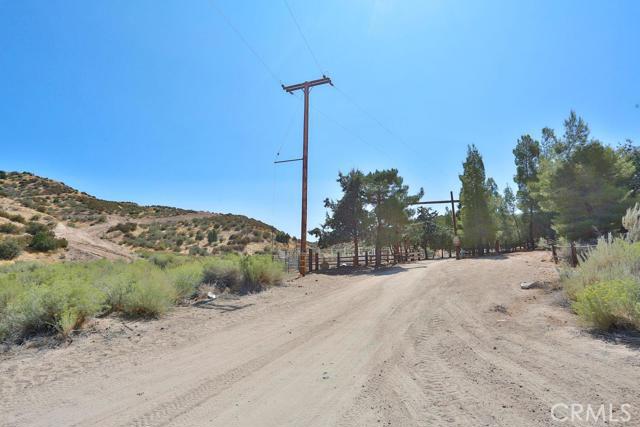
86 243
435 343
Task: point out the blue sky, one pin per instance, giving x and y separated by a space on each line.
160 102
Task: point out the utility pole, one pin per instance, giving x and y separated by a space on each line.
305 87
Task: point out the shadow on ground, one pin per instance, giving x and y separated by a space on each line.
211 305
627 338
359 271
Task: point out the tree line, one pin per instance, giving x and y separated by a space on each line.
570 186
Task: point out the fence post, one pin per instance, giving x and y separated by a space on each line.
554 253
317 261
574 255
366 258
387 256
338 260
310 260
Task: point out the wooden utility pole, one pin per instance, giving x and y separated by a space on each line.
305 87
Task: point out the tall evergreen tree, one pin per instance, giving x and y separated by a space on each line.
589 191
576 134
348 221
582 186
479 229
426 227
527 159
510 207
631 153
390 200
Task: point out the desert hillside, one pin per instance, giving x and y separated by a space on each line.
81 226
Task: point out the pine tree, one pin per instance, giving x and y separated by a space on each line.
427 228
589 191
390 200
348 221
479 229
510 206
527 159
582 186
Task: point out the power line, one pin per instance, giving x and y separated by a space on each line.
374 119
277 79
246 43
306 42
343 127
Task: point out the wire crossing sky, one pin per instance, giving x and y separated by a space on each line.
180 103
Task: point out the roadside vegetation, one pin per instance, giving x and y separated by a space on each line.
58 298
605 287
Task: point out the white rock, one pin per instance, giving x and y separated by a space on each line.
528 285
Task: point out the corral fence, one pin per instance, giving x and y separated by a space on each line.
572 253
319 261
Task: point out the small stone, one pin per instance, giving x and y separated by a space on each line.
529 285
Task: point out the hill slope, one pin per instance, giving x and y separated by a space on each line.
96 228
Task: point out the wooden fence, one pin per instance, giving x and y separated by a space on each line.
317 261
571 253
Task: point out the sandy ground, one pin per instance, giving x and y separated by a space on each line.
435 343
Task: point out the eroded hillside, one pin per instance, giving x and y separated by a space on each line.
96 228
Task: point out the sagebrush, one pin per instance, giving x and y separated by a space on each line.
48 298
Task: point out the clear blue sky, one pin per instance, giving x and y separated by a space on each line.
160 102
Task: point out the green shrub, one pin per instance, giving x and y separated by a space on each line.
611 259
9 249
44 298
212 236
150 295
45 241
186 278
34 228
197 251
136 289
9 228
260 272
224 273
125 228
610 303
163 260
